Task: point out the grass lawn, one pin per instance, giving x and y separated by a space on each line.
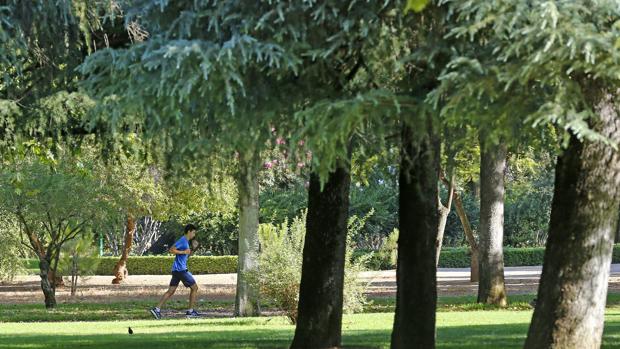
459 325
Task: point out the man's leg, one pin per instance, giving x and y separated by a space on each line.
166 296
193 292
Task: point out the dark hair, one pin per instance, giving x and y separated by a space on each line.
190 227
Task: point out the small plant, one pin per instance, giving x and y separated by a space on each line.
78 259
280 263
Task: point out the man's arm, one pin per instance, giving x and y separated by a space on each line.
174 250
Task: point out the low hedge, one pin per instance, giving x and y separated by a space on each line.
451 257
459 257
161 265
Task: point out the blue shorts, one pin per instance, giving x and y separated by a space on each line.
185 276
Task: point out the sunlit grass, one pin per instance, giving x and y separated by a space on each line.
455 329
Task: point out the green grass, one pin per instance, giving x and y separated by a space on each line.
137 310
461 323
116 311
455 329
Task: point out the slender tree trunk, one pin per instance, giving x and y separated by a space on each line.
120 270
491 288
617 237
584 216
469 234
319 321
443 212
416 273
247 298
48 287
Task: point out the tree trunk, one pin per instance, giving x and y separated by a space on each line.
443 212
416 273
491 288
469 234
584 216
319 321
120 270
617 237
247 298
49 289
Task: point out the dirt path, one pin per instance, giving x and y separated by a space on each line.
450 282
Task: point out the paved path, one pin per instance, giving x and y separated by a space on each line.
450 281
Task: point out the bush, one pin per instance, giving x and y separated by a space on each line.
280 264
459 257
218 232
78 258
9 250
162 265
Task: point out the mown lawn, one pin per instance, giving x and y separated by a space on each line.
459 325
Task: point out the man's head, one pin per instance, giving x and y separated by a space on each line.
190 231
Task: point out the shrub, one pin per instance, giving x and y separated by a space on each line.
280 264
459 257
9 250
161 265
78 258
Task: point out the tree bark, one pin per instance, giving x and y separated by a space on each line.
469 234
319 321
416 273
443 212
48 287
584 216
120 270
617 237
247 297
491 287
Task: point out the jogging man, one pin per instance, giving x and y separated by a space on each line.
180 273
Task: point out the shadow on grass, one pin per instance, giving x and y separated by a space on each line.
475 336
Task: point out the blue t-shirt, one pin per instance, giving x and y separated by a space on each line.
180 261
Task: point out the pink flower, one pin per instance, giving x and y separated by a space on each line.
300 164
301 143
280 140
268 164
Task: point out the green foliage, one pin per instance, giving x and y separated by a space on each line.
416 5
54 200
280 263
528 208
278 205
532 61
10 249
78 259
79 256
218 232
459 257
354 298
162 265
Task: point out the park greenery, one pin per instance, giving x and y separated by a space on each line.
310 141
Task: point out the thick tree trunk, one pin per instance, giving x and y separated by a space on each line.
319 321
247 298
48 287
120 270
584 216
416 274
491 287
